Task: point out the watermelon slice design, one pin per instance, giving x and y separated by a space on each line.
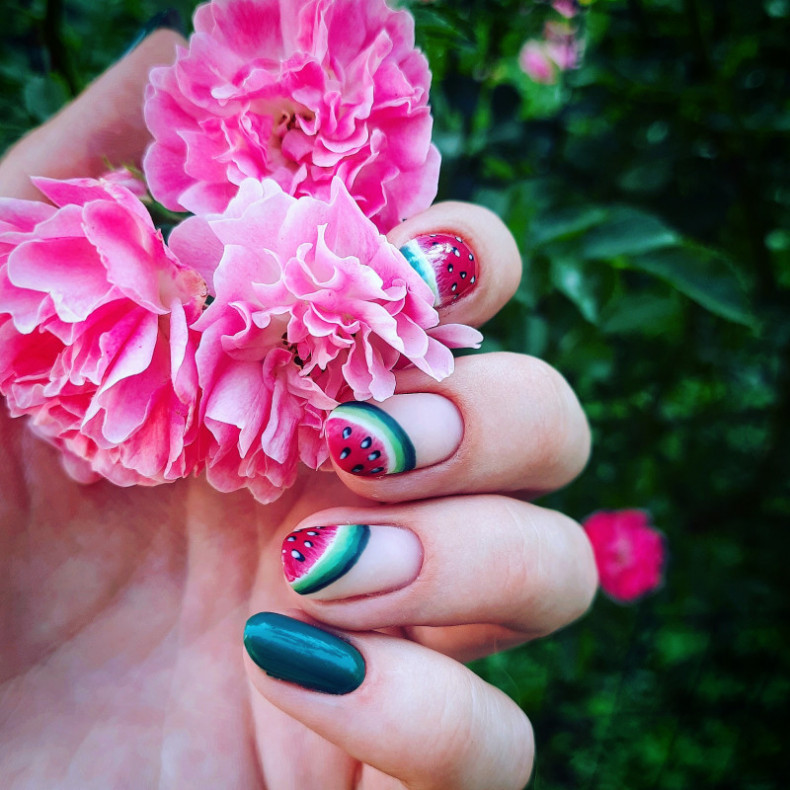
364 440
315 557
445 262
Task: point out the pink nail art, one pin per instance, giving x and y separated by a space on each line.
446 262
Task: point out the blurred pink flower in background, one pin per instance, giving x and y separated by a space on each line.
312 306
536 64
95 338
561 45
566 8
629 553
300 91
559 50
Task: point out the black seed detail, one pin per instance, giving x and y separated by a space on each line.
458 238
312 532
291 538
346 452
297 555
346 432
473 279
471 257
455 252
357 469
463 275
366 442
455 287
308 544
374 455
377 471
449 267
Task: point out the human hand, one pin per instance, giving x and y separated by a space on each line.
123 608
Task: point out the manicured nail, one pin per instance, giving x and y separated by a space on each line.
169 18
445 262
345 560
402 433
288 649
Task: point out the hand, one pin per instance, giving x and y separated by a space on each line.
123 609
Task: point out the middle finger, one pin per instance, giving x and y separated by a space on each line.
501 422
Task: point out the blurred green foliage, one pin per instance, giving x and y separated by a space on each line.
649 191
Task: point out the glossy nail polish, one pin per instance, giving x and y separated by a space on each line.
346 560
290 650
446 262
402 433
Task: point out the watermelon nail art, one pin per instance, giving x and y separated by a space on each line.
365 440
315 557
348 560
446 262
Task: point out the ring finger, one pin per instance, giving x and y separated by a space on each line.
475 561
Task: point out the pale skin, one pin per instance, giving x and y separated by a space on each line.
121 663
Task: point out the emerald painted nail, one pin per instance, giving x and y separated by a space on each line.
288 649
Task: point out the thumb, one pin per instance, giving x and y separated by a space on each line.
104 123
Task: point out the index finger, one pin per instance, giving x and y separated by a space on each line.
104 124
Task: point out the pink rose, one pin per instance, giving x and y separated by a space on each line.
629 553
536 64
95 338
312 306
301 91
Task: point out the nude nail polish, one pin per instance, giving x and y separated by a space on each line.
402 433
336 561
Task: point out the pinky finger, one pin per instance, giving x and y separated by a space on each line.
395 706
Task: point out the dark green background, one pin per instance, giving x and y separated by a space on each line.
649 192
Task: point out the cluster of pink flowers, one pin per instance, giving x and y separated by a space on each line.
630 553
296 132
559 50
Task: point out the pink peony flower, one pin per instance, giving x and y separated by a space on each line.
301 91
566 8
536 64
95 338
312 306
561 45
629 553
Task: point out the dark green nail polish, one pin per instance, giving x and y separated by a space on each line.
288 649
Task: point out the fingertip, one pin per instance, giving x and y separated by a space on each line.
485 248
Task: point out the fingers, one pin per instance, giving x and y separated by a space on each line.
501 422
455 561
104 124
466 254
397 707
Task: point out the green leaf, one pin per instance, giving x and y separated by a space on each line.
642 313
43 96
588 285
565 222
627 231
702 275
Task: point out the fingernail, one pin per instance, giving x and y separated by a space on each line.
345 560
169 18
402 433
290 650
445 262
